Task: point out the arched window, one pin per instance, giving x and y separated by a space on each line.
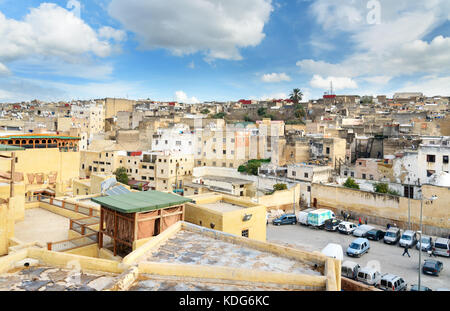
17 142
24 142
54 141
10 142
30 142
44 141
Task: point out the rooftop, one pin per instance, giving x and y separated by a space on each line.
137 202
192 248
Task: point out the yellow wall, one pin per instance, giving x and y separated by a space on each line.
19 198
231 221
45 161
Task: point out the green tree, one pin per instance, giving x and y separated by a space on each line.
384 188
351 183
296 96
381 188
278 187
219 115
121 175
262 111
205 111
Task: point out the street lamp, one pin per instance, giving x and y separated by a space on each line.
434 197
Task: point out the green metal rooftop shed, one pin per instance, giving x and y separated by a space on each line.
126 218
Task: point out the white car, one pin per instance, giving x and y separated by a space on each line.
346 227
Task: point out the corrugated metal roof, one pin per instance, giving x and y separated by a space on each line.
138 202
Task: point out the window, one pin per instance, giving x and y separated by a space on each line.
345 173
431 158
363 176
328 150
309 189
245 233
294 173
352 174
445 159
430 172
82 166
166 142
306 175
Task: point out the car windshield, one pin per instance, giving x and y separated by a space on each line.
372 232
425 240
354 246
406 237
390 234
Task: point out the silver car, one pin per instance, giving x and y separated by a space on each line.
392 236
369 276
426 242
409 238
442 247
362 230
390 282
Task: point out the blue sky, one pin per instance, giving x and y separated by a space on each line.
204 50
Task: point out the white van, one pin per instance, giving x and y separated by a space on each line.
369 276
442 247
346 227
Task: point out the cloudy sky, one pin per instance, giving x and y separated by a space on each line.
204 50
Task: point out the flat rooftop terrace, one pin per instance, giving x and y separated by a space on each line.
45 278
40 225
187 247
222 206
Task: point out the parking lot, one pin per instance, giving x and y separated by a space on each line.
388 257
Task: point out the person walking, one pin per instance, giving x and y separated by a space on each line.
406 251
360 222
388 226
365 221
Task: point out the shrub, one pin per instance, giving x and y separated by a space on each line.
351 183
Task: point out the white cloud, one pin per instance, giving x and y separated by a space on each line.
50 32
394 48
218 28
275 77
4 70
182 97
280 95
107 32
430 86
339 83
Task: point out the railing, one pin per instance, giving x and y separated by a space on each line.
67 245
82 225
88 211
32 198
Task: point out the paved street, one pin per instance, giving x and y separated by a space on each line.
389 257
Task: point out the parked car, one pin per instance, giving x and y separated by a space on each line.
433 267
375 234
369 276
426 242
346 227
358 247
350 269
362 230
415 288
392 236
317 218
390 282
302 218
409 238
332 224
442 247
287 219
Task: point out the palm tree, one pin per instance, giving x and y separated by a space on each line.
296 96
